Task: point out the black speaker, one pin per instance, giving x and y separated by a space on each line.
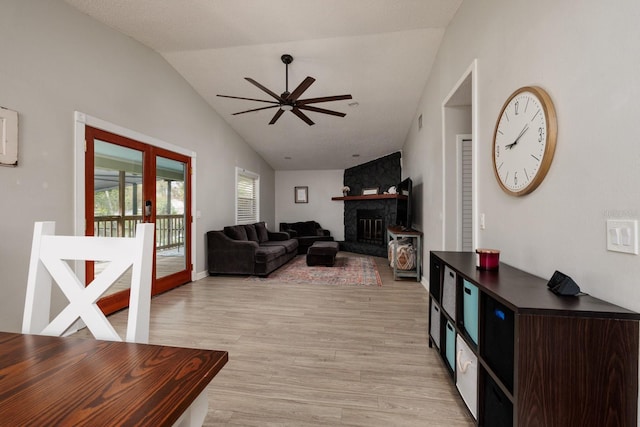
561 284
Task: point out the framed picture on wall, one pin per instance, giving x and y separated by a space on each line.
301 194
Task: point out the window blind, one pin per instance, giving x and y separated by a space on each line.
247 199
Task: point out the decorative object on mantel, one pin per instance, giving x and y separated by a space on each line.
345 190
392 190
370 197
370 191
302 194
8 137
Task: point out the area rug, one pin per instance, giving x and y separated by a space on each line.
346 271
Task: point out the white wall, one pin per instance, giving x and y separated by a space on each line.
586 57
323 185
55 60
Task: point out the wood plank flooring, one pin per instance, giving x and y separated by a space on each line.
313 355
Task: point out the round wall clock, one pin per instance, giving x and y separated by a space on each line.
524 140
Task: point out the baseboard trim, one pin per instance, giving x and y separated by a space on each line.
200 275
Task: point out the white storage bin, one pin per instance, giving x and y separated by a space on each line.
434 326
449 292
467 375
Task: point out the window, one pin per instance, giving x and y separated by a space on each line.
247 201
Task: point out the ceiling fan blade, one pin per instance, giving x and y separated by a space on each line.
321 110
247 99
301 88
276 116
273 94
256 109
300 114
323 99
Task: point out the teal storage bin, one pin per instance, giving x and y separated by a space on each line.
450 349
470 309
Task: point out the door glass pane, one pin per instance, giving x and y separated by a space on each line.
117 190
170 216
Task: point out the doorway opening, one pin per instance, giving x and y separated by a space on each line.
459 190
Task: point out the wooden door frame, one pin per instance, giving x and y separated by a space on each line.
119 300
80 221
162 284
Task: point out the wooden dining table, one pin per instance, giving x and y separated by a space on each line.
69 381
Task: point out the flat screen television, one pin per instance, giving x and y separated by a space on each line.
403 206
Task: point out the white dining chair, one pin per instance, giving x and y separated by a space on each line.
49 263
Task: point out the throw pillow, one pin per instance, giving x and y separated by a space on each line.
297 227
251 232
261 230
308 228
236 232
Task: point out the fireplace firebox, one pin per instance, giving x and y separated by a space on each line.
371 226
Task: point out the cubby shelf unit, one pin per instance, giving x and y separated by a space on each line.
524 356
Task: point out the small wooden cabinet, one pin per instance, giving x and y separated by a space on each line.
540 359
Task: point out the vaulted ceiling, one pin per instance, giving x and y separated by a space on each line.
379 51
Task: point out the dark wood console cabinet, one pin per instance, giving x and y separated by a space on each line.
540 359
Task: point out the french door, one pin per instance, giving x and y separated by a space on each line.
128 182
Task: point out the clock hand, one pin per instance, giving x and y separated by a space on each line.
522 132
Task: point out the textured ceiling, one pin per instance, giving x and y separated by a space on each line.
379 51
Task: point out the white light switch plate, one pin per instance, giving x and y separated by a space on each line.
622 235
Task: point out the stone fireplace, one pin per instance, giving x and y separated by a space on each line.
366 219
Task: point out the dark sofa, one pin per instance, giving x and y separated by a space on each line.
306 232
248 249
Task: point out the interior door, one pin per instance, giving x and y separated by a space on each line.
128 182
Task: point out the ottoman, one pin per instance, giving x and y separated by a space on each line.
322 253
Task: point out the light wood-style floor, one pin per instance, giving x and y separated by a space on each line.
303 355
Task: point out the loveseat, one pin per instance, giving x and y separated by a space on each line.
306 232
248 249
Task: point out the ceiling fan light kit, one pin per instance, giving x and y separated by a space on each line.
288 101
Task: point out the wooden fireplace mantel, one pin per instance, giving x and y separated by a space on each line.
371 197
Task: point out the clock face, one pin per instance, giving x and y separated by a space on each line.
524 140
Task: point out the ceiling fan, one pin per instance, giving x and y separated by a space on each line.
288 101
